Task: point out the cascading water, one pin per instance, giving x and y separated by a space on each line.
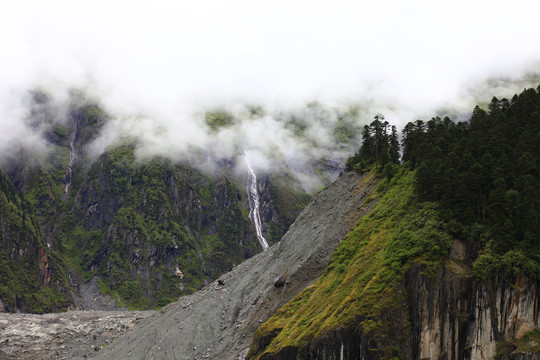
253 198
69 169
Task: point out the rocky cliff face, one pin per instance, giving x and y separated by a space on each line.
457 317
175 227
149 230
450 316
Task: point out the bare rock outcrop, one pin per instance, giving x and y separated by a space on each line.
459 317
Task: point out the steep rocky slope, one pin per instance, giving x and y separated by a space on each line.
218 321
399 287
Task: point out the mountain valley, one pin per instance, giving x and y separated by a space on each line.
431 255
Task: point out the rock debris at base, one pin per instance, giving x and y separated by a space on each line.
69 335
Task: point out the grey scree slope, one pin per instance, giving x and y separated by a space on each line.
218 321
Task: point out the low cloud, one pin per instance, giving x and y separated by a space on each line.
157 67
292 139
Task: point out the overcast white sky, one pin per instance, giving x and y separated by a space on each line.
191 50
161 56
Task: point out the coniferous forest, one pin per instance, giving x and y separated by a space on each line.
483 174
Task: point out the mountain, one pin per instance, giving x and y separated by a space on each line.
399 287
117 231
435 257
411 279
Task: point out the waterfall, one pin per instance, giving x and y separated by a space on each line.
253 198
69 169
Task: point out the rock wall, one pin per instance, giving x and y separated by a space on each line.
457 317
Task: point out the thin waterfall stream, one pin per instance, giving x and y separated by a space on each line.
69 169
254 203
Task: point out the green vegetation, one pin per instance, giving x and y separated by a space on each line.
93 114
61 132
380 146
478 182
218 119
288 200
32 277
361 286
90 119
345 129
143 232
485 176
528 343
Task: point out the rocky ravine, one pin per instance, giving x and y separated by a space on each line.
218 321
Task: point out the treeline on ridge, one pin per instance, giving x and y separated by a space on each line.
483 174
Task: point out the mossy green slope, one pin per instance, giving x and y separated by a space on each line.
361 289
32 277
